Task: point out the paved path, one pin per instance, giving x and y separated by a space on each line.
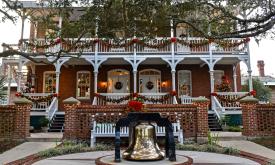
25 149
45 137
198 157
250 147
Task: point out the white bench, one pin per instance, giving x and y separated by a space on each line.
108 130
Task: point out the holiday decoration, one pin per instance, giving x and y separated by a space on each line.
136 96
149 85
118 85
224 98
224 86
135 106
124 43
37 100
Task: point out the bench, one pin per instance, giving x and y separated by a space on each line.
108 130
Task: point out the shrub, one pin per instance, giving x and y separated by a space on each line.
43 122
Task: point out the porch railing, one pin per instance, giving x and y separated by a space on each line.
117 96
186 99
222 106
155 45
40 106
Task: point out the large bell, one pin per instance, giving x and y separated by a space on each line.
143 144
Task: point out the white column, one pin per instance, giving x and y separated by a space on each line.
173 80
135 81
9 84
250 79
235 78
19 77
57 73
212 83
95 87
95 81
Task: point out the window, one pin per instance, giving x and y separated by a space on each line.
149 81
83 85
218 77
49 82
184 83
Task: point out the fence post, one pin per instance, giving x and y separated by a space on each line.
70 131
22 118
249 116
202 104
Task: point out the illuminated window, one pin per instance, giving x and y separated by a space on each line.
184 83
218 76
49 82
150 81
83 85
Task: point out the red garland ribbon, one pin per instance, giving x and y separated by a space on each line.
137 96
165 42
221 97
37 100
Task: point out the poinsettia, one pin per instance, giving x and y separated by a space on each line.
135 105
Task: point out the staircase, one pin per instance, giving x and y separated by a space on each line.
57 123
213 122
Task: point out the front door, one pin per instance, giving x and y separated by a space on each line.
149 81
118 81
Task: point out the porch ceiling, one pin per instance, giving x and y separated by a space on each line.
228 61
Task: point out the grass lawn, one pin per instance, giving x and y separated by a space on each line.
267 142
8 144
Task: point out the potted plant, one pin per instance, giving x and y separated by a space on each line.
44 122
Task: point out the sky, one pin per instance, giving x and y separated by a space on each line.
10 33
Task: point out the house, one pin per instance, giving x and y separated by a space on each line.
267 80
109 70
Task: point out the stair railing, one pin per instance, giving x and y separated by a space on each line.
51 110
217 107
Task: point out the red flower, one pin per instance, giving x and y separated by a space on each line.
135 105
247 39
214 94
57 41
55 95
173 39
97 94
253 93
135 94
18 94
173 93
135 40
96 41
210 40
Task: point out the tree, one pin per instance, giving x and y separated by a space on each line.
216 19
263 93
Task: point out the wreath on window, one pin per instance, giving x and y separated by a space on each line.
118 85
149 85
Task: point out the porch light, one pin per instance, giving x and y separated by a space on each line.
164 84
103 84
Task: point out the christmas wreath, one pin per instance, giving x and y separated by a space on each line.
118 85
149 85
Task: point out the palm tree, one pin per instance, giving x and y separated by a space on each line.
3 91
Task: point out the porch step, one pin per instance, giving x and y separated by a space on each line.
213 122
57 123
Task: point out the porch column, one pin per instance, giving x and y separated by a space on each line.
19 77
95 81
212 83
57 73
235 78
250 79
95 87
135 81
173 80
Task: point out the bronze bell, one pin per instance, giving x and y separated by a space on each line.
143 144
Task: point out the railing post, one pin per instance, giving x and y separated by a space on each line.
202 104
249 116
95 87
